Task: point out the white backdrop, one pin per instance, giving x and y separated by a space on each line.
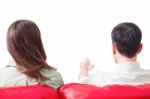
72 29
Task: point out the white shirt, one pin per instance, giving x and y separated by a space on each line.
125 73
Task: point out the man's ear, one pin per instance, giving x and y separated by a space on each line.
113 48
140 48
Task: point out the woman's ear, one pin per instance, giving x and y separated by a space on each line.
140 48
113 49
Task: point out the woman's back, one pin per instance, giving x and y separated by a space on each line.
10 76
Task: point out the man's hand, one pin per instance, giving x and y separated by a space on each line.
85 66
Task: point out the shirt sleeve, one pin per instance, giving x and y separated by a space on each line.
96 78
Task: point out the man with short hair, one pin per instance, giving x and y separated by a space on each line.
126 45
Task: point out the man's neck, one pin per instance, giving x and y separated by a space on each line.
121 59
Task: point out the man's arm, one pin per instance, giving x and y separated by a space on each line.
96 78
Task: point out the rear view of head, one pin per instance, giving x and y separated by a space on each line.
25 46
127 39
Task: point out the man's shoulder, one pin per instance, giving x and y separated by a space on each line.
145 71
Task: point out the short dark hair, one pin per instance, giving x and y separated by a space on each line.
127 38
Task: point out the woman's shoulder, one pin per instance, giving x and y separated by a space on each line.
54 78
8 70
50 72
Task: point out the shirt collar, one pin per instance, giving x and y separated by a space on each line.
128 66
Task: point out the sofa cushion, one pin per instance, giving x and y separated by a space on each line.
28 92
85 91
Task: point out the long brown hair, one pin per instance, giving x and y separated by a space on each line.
25 46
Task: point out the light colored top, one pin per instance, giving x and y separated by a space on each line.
125 73
9 76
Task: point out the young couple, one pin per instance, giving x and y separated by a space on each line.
26 48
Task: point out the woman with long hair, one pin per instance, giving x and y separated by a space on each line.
26 48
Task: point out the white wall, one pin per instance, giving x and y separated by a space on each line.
72 29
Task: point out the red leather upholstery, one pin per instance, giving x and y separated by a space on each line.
28 92
77 91
84 91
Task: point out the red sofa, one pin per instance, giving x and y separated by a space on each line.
77 91
85 91
28 92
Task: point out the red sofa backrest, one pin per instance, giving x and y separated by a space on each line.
28 92
85 91
77 91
